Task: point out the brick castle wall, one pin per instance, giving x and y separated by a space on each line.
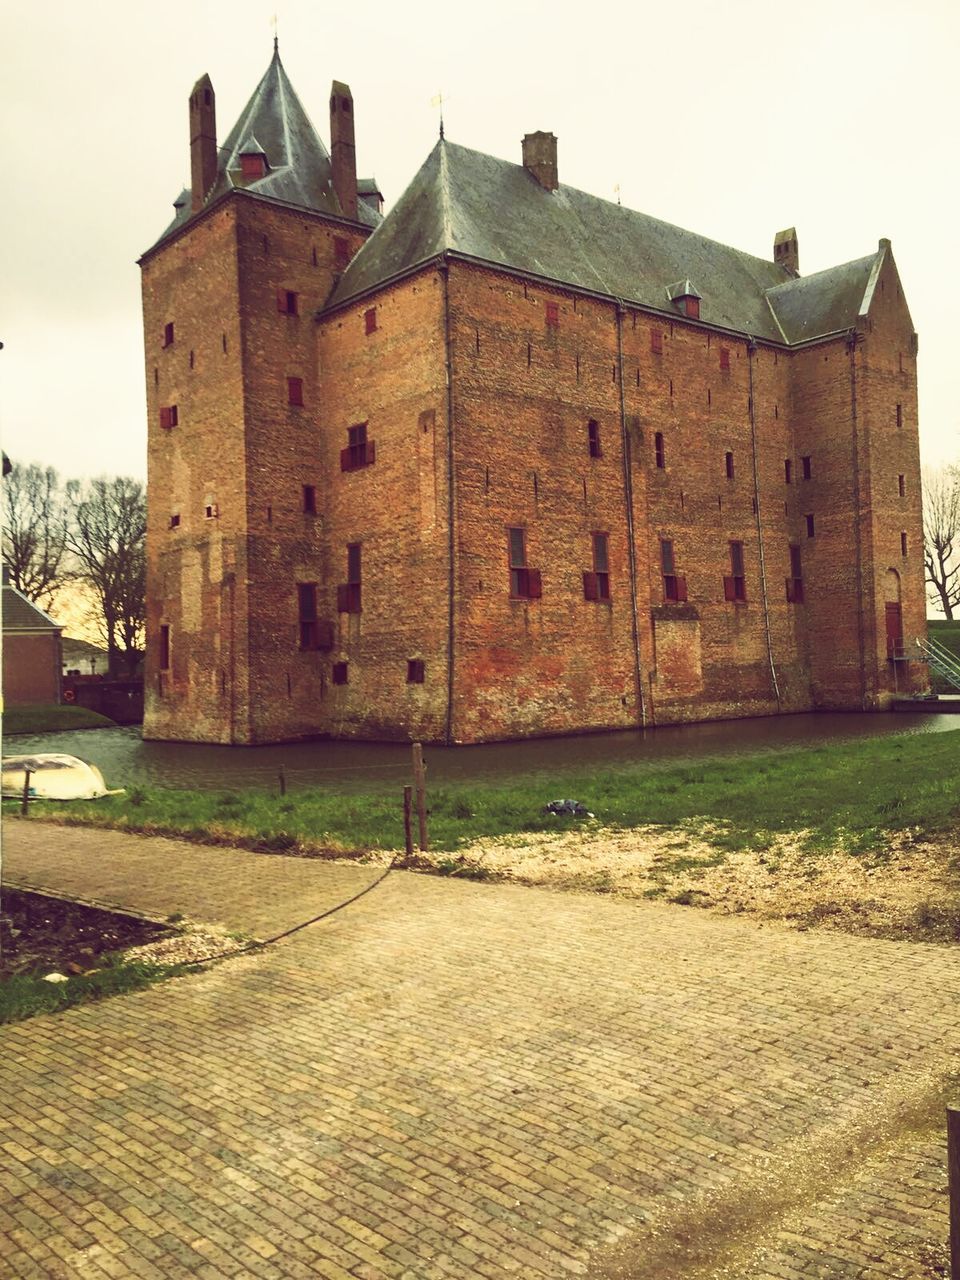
529 367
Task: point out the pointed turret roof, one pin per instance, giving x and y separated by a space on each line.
298 163
476 207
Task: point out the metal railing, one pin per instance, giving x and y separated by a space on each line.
941 660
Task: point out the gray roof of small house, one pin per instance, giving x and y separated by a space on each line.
299 170
21 614
478 207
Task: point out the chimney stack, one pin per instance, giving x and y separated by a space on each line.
540 158
203 142
786 252
343 151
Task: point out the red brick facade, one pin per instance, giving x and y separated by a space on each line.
471 391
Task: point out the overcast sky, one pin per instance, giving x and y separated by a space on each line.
732 119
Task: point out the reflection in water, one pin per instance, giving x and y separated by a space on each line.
126 760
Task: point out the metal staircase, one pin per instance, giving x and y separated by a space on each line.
940 659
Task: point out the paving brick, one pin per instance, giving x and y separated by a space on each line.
457 1080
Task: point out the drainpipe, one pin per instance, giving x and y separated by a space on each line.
444 270
628 506
855 425
751 352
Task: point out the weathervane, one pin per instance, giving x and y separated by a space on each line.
617 190
275 22
437 101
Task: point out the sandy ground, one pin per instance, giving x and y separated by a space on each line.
907 889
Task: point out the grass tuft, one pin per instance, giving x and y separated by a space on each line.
24 995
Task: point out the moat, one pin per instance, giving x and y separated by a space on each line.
127 760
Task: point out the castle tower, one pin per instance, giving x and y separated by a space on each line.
234 487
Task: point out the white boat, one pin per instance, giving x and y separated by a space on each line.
53 777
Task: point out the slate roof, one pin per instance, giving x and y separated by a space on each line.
481 208
299 164
21 614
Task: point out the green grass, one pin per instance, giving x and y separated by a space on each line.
42 717
849 794
24 995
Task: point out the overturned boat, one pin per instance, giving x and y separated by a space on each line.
53 777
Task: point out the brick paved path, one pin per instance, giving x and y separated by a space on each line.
461 1080
257 894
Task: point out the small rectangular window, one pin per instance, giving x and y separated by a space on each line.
168 334
169 416
370 320
728 463
901 486
903 544
807 467
341 251
524 581
211 511
253 165
287 302
725 358
795 581
164 647
593 439
735 583
787 471
415 670
360 452
674 585
353 563
348 593
601 564
175 520
307 614
691 306
658 449
310 499
656 342
295 391
810 526
899 415
340 672
552 315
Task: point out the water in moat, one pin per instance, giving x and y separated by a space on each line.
127 760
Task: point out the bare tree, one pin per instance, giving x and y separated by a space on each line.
941 536
34 531
108 521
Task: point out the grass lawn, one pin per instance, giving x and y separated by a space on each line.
847 795
42 717
23 995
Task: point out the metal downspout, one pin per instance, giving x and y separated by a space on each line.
855 423
628 504
451 546
751 350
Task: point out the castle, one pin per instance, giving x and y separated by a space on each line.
510 460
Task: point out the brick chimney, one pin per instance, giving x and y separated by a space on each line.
786 252
540 158
343 151
203 142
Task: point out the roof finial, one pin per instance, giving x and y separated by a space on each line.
437 101
276 41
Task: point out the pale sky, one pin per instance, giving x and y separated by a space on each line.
731 119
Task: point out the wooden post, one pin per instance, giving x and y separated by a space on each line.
953 1178
283 781
408 819
420 785
26 792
